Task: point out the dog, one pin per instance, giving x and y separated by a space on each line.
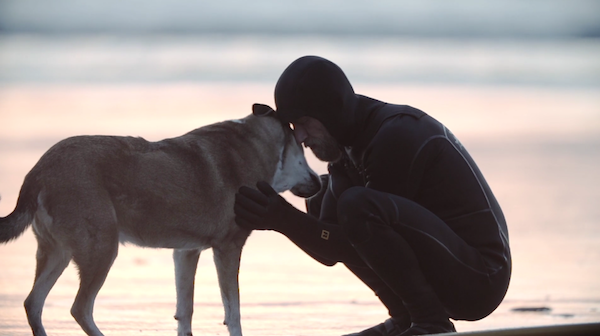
88 193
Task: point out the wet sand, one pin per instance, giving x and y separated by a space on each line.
544 175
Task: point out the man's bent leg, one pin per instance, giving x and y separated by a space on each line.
393 260
399 319
458 272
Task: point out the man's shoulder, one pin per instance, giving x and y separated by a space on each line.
407 122
399 129
403 110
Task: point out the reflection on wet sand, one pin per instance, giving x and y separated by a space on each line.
543 174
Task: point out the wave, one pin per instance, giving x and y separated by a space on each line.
259 58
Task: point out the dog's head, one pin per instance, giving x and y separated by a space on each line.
293 172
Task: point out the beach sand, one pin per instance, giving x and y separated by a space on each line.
539 149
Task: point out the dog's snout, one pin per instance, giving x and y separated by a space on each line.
308 189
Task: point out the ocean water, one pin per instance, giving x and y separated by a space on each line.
527 110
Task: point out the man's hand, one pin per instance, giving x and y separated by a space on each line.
315 202
343 175
261 209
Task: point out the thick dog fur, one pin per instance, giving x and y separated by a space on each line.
88 193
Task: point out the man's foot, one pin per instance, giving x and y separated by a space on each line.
429 328
391 327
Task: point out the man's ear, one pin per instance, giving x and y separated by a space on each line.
262 110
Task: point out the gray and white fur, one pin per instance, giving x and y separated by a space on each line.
88 193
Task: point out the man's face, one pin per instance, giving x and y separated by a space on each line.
314 135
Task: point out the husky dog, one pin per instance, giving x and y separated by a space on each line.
88 193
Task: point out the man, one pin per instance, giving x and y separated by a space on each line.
405 208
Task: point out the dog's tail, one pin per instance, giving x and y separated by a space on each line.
13 225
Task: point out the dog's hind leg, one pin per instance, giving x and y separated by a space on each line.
94 253
51 262
186 262
227 261
93 269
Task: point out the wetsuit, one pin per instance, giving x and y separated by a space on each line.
406 209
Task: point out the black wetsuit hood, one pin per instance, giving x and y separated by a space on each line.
315 87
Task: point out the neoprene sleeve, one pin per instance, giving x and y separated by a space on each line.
327 243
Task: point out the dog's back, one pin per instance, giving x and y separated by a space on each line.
178 186
87 193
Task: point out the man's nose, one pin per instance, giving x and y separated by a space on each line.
300 134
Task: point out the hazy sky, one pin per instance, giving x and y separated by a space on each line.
492 18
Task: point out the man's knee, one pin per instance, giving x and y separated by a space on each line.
351 203
353 213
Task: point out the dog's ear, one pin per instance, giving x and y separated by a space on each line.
262 110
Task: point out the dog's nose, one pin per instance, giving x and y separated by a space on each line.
308 188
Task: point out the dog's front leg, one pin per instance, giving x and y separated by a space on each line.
227 260
186 262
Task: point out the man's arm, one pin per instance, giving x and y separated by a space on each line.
264 209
